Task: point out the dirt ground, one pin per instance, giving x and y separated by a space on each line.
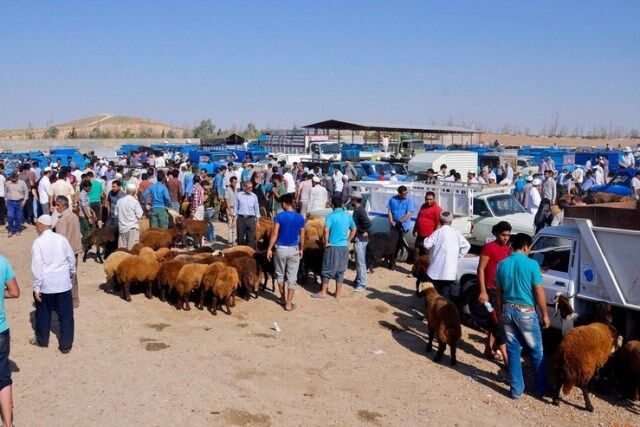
354 361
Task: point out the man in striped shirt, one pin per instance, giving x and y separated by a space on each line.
197 199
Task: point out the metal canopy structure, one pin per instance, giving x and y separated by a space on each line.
333 124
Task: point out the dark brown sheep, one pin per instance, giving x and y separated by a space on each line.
264 228
136 248
192 228
136 269
419 270
157 238
312 262
581 353
222 290
249 272
167 276
630 357
100 237
444 322
267 267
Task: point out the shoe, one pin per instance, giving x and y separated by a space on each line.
65 350
10 234
34 341
360 289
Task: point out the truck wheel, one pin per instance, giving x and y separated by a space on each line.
473 313
403 254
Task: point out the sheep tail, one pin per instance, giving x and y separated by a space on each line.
563 374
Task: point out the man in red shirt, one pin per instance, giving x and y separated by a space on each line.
492 253
427 221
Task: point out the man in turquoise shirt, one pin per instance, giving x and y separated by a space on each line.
10 290
519 291
160 201
339 229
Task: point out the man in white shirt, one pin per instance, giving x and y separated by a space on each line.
445 246
160 162
129 213
289 182
62 187
304 192
318 196
53 264
338 184
45 195
534 196
598 174
635 185
628 161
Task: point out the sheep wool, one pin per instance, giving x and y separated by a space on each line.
444 322
137 269
189 279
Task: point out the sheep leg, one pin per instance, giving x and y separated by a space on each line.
200 305
233 299
556 392
441 348
453 355
99 255
148 292
430 342
185 302
126 294
86 253
214 305
227 301
179 302
163 292
587 400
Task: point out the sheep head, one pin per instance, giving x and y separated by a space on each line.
563 305
426 286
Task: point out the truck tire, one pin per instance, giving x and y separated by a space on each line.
403 254
473 313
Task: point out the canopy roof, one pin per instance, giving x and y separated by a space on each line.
386 127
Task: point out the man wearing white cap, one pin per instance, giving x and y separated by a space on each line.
129 212
135 179
628 161
525 191
318 196
53 264
68 225
533 196
45 195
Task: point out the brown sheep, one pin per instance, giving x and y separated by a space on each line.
136 248
111 265
100 237
144 225
199 258
236 249
264 228
249 272
189 279
581 353
157 238
167 276
444 322
136 269
208 281
166 253
314 229
596 198
267 267
419 270
225 288
235 255
148 252
312 262
194 229
630 357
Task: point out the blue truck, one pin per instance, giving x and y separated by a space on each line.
619 185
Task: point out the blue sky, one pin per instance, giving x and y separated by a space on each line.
277 63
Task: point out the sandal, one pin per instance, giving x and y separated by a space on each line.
293 307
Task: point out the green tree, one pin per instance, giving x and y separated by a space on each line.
250 131
127 134
145 133
162 134
171 134
95 133
51 132
206 129
30 134
72 134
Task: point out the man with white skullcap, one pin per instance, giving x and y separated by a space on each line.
129 213
534 196
53 264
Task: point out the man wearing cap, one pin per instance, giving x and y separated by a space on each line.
68 225
318 196
17 194
525 191
628 161
533 197
542 166
45 195
400 209
360 240
393 177
339 229
158 200
53 264
129 213
135 179
445 246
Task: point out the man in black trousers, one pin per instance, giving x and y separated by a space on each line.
247 210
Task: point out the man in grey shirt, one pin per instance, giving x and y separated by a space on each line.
247 210
16 193
549 187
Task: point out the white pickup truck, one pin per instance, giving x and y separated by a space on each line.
476 208
589 263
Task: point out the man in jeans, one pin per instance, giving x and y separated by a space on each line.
400 209
361 239
288 238
11 290
519 291
17 194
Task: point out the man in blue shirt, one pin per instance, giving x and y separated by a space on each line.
519 291
589 181
187 183
400 209
339 230
157 199
247 210
218 182
288 239
10 290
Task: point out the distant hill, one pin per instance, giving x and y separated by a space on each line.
101 126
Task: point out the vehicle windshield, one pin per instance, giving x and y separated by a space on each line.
330 148
377 168
504 204
621 179
401 168
552 253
